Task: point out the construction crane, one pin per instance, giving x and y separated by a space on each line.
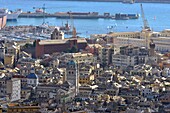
74 33
145 22
43 8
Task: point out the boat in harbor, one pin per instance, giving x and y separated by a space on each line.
10 14
66 27
120 16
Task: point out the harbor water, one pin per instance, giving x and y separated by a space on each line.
157 14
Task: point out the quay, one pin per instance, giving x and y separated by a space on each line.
79 15
56 15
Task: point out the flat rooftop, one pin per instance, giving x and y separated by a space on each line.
51 42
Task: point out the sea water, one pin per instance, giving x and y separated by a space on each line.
157 14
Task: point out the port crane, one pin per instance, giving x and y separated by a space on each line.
146 29
73 28
43 8
145 21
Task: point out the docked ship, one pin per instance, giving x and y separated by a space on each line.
120 16
77 15
3 19
10 14
128 1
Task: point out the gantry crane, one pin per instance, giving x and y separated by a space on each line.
145 22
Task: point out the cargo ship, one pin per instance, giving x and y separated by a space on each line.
128 1
120 16
3 19
77 15
10 14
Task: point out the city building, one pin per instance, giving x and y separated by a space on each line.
114 72
130 56
32 79
13 89
51 46
106 53
80 57
9 60
3 84
142 39
143 71
85 74
3 19
57 34
2 52
19 109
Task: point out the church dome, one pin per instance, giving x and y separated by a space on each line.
71 62
32 76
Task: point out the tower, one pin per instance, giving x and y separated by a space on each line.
72 75
74 32
152 48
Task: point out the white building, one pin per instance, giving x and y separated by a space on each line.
80 57
124 60
146 92
106 53
130 56
161 40
14 89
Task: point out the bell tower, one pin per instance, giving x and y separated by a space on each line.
72 75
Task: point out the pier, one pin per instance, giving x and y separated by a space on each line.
54 15
77 15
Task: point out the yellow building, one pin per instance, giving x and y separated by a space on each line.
125 34
21 109
13 49
86 79
165 33
25 93
9 60
165 98
85 74
0 110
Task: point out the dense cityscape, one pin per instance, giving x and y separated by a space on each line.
56 69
